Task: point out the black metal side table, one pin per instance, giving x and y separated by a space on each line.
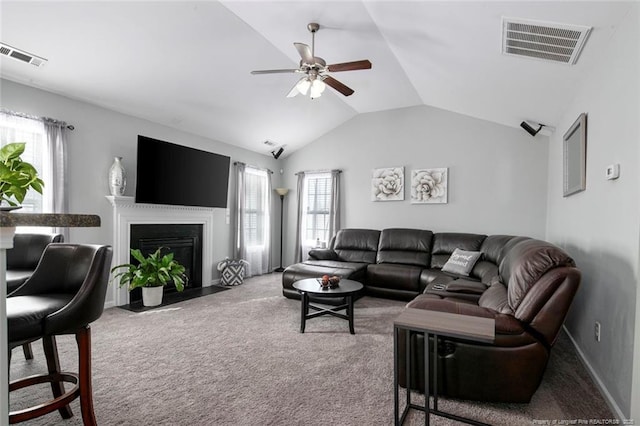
311 286
433 323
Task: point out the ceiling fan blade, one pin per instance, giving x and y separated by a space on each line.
275 71
305 53
330 81
350 66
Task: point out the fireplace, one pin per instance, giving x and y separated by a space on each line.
189 230
183 240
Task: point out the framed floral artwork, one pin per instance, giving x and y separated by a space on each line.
387 184
429 186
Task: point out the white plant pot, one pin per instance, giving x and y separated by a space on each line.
152 296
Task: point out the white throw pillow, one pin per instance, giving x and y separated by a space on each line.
461 262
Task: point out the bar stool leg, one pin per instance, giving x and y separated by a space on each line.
53 366
83 338
28 353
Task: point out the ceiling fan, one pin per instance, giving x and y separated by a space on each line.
316 70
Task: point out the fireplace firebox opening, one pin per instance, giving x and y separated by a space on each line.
183 240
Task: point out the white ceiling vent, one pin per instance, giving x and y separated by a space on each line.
21 55
543 40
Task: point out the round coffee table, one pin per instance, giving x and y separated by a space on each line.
311 287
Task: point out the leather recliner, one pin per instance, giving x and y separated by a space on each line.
529 300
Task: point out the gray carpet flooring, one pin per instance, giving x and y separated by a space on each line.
237 358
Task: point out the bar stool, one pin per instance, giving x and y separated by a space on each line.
63 296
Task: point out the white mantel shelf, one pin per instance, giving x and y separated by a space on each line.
127 212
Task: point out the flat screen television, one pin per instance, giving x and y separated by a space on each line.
173 174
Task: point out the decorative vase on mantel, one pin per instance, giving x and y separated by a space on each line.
117 177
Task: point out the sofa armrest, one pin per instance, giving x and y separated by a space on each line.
323 254
505 324
466 286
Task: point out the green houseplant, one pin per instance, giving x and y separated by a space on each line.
16 176
151 273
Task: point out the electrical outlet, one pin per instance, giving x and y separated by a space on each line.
597 331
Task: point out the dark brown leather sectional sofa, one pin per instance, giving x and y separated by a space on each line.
525 284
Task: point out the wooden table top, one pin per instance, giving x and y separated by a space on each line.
311 285
448 324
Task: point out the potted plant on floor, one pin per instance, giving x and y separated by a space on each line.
16 176
151 273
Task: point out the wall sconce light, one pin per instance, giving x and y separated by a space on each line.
278 153
530 129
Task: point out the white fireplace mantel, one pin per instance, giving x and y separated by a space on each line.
127 212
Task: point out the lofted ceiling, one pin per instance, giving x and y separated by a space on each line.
187 64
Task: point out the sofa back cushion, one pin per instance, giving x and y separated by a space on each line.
405 246
444 244
525 263
493 249
357 245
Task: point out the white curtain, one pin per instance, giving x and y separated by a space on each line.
299 214
252 230
334 215
55 133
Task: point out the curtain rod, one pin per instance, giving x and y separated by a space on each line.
43 119
319 171
252 166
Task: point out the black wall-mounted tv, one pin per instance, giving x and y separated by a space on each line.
178 175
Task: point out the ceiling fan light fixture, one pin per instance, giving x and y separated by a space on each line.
317 87
303 86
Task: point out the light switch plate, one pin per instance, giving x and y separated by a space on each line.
613 171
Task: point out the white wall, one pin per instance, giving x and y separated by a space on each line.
100 135
600 227
497 174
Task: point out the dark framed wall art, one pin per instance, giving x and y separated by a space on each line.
575 157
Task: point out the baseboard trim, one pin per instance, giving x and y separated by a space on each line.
594 376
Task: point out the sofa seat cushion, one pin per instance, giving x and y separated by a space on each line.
393 276
317 268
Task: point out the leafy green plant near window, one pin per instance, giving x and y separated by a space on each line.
151 271
16 176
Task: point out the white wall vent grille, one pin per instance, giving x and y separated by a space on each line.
21 55
543 40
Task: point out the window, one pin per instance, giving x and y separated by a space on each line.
37 152
255 215
18 129
316 207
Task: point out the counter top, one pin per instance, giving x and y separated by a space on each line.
13 219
